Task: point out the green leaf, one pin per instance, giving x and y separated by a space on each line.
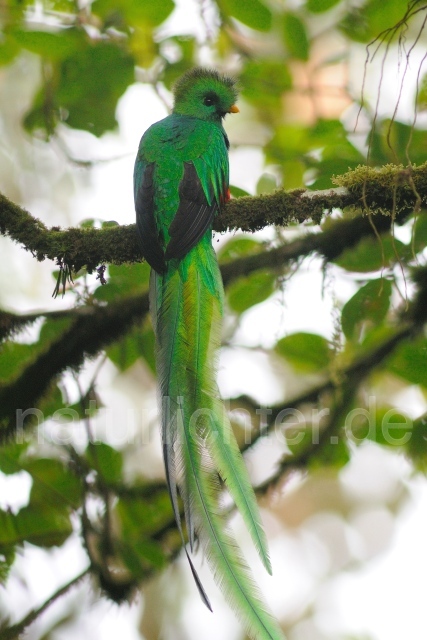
319 6
10 457
93 76
264 82
89 223
173 70
293 174
333 138
98 75
376 335
333 152
295 36
43 526
55 46
370 303
333 454
53 328
126 279
420 232
327 168
7 559
106 460
290 141
142 555
409 361
390 143
422 94
53 484
325 132
266 184
417 445
40 525
9 49
138 519
9 535
13 357
237 192
127 351
244 293
386 426
51 403
307 352
130 277
147 346
301 437
369 255
135 13
137 343
364 23
64 6
141 517
238 247
251 12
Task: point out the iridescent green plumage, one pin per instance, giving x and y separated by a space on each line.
181 179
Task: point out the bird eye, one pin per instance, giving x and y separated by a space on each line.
208 101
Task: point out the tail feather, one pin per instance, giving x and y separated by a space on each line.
165 306
202 312
228 459
229 568
198 440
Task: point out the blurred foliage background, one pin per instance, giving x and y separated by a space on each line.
324 355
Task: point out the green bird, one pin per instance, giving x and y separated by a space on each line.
181 179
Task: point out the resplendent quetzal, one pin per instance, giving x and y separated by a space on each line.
180 182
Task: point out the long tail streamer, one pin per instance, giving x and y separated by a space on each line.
198 442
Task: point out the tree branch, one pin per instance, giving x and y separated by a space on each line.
14 631
345 392
88 333
94 327
392 189
11 323
352 376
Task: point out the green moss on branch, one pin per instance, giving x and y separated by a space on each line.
87 334
392 189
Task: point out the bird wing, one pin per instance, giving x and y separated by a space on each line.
202 189
200 149
193 217
146 227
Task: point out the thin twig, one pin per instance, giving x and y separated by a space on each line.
14 631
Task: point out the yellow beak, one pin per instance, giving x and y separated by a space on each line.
234 109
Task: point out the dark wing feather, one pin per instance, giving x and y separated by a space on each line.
193 217
148 235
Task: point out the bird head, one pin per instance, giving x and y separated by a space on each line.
205 94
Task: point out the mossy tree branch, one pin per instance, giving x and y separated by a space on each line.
394 189
342 392
412 322
16 630
88 333
93 328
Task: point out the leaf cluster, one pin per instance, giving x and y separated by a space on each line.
354 202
